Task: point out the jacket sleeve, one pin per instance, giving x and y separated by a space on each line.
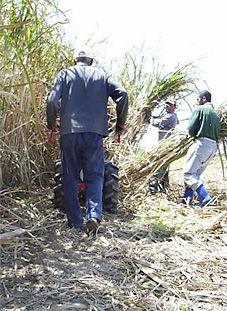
53 104
193 124
120 97
167 120
155 121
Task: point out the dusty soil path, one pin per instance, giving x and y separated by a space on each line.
153 255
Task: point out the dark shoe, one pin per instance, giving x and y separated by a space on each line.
111 209
153 185
82 228
92 224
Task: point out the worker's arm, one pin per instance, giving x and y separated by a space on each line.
53 104
120 97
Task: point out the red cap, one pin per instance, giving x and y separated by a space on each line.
171 101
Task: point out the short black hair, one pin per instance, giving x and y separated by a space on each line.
206 94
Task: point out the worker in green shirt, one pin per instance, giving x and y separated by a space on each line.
204 125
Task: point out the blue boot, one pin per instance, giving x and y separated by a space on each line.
188 196
204 197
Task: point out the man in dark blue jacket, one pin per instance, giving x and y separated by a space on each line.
81 94
204 125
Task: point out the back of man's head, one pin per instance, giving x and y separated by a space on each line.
206 94
84 57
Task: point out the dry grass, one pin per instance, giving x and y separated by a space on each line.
30 57
154 255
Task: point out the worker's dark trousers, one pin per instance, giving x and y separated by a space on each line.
82 151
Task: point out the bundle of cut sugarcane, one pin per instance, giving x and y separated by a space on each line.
146 164
222 111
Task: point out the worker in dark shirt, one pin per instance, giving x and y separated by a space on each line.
204 125
80 93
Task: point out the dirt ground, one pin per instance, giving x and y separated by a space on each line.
155 254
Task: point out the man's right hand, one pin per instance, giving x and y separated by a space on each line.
119 129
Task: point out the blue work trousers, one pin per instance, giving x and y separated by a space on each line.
82 151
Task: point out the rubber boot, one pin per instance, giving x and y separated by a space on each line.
204 197
188 196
